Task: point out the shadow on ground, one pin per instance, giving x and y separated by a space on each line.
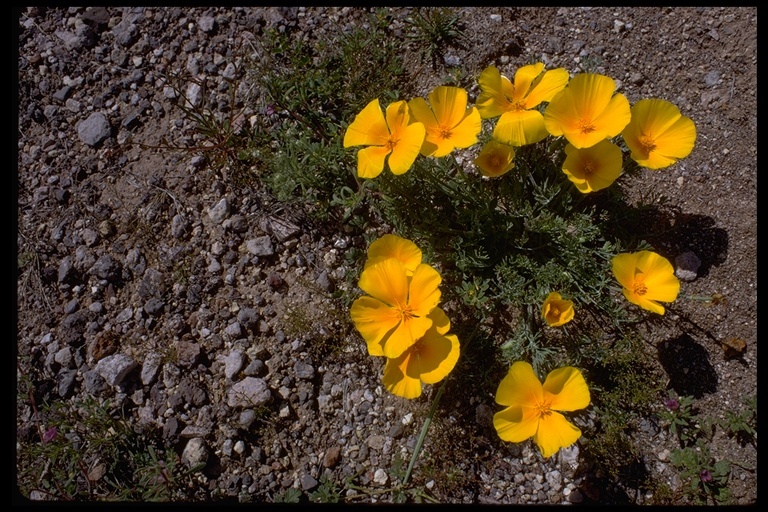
687 364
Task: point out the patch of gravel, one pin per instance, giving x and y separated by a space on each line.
195 308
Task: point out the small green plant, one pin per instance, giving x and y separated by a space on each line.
290 495
89 452
220 130
680 417
326 492
434 28
706 479
742 424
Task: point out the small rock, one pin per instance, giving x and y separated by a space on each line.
115 368
380 477
154 307
249 392
207 24
233 363
94 130
195 452
303 370
219 211
188 353
260 246
308 483
332 457
687 265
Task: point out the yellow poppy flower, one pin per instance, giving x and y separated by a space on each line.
531 406
587 111
396 137
427 361
593 168
394 313
393 246
646 277
449 123
658 135
557 311
520 123
495 159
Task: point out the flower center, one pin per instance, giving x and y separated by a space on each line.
406 312
444 132
543 408
648 143
495 161
586 126
639 287
391 143
554 311
589 168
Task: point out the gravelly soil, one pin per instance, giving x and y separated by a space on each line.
150 280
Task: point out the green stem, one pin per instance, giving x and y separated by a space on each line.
423 433
432 411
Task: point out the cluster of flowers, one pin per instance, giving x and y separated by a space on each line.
400 319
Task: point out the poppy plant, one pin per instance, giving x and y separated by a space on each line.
557 311
495 159
646 278
520 123
394 313
393 246
395 139
532 407
593 168
448 122
658 134
587 110
427 361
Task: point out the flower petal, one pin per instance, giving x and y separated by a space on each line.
449 104
555 432
437 355
678 140
520 387
424 293
653 307
592 93
386 281
464 134
496 91
440 320
561 114
614 117
654 116
370 161
398 116
524 77
397 381
520 127
552 82
623 266
393 246
405 335
368 128
422 113
516 423
407 148
566 389
373 320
